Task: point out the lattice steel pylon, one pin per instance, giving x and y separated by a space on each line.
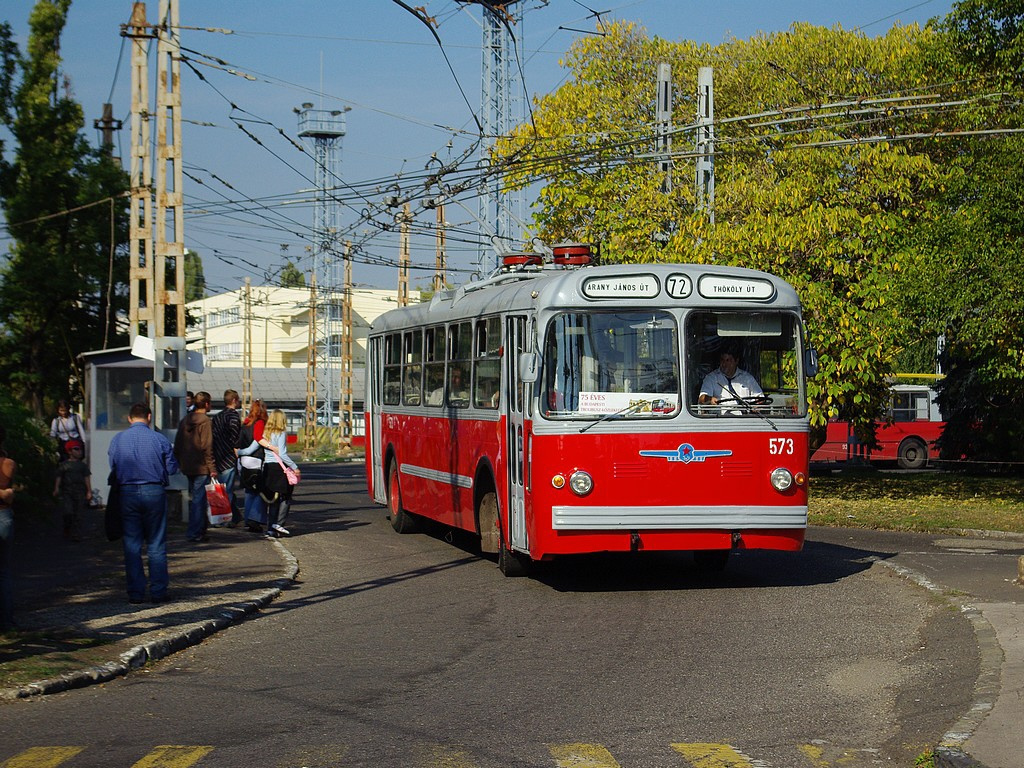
502 108
325 129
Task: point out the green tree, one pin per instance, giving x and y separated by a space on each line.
61 283
195 281
798 191
291 277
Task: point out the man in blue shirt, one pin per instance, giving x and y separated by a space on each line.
142 460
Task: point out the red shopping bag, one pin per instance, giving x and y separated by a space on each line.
218 506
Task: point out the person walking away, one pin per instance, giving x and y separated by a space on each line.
277 490
250 465
226 426
66 426
73 489
142 461
7 469
193 447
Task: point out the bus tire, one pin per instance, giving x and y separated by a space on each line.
711 560
913 454
401 521
509 563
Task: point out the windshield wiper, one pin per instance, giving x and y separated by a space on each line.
617 414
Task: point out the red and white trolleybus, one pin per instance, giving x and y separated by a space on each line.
552 409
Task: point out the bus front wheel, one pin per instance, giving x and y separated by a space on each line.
401 521
509 563
913 454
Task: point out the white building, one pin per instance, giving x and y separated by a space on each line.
278 325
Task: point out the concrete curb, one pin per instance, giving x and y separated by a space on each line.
948 754
184 637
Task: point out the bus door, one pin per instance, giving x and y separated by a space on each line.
374 378
517 397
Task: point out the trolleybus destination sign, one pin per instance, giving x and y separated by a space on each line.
718 287
638 286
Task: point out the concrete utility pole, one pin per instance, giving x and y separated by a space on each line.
403 257
309 432
663 119
706 142
106 125
247 348
441 258
140 273
345 411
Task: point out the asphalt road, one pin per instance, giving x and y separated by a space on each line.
415 651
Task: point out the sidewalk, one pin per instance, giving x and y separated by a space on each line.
71 595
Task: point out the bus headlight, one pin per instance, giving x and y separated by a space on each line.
782 479
581 483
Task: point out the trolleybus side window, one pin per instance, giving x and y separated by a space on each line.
433 364
624 363
392 369
486 371
412 367
460 350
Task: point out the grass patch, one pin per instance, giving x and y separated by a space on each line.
928 502
27 657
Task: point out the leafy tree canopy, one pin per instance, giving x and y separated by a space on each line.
62 281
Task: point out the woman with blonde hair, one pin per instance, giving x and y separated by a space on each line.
250 464
277 486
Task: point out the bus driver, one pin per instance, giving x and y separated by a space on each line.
728 381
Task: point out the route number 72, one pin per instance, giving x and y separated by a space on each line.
779 445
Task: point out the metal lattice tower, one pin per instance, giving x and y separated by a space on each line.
325 129
502 108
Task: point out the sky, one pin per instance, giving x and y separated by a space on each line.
247 204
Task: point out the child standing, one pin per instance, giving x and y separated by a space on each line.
73 488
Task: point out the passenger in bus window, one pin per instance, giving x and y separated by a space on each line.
458 394
728 381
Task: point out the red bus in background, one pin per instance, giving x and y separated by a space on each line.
552 409
909 440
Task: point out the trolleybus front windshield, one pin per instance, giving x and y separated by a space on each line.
626 364
602 363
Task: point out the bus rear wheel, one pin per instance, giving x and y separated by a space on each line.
401 521
913 454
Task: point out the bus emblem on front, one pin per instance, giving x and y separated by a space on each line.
686 453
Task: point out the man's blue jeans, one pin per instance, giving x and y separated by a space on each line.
144 517
197 505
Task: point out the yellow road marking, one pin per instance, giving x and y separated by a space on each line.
440 756
582 756
816 755
173 756
42 757
712 756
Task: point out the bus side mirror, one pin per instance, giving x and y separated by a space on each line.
528 365
811 362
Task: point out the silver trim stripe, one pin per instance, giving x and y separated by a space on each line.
447 478
662 518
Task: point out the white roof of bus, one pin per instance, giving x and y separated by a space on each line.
557 288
